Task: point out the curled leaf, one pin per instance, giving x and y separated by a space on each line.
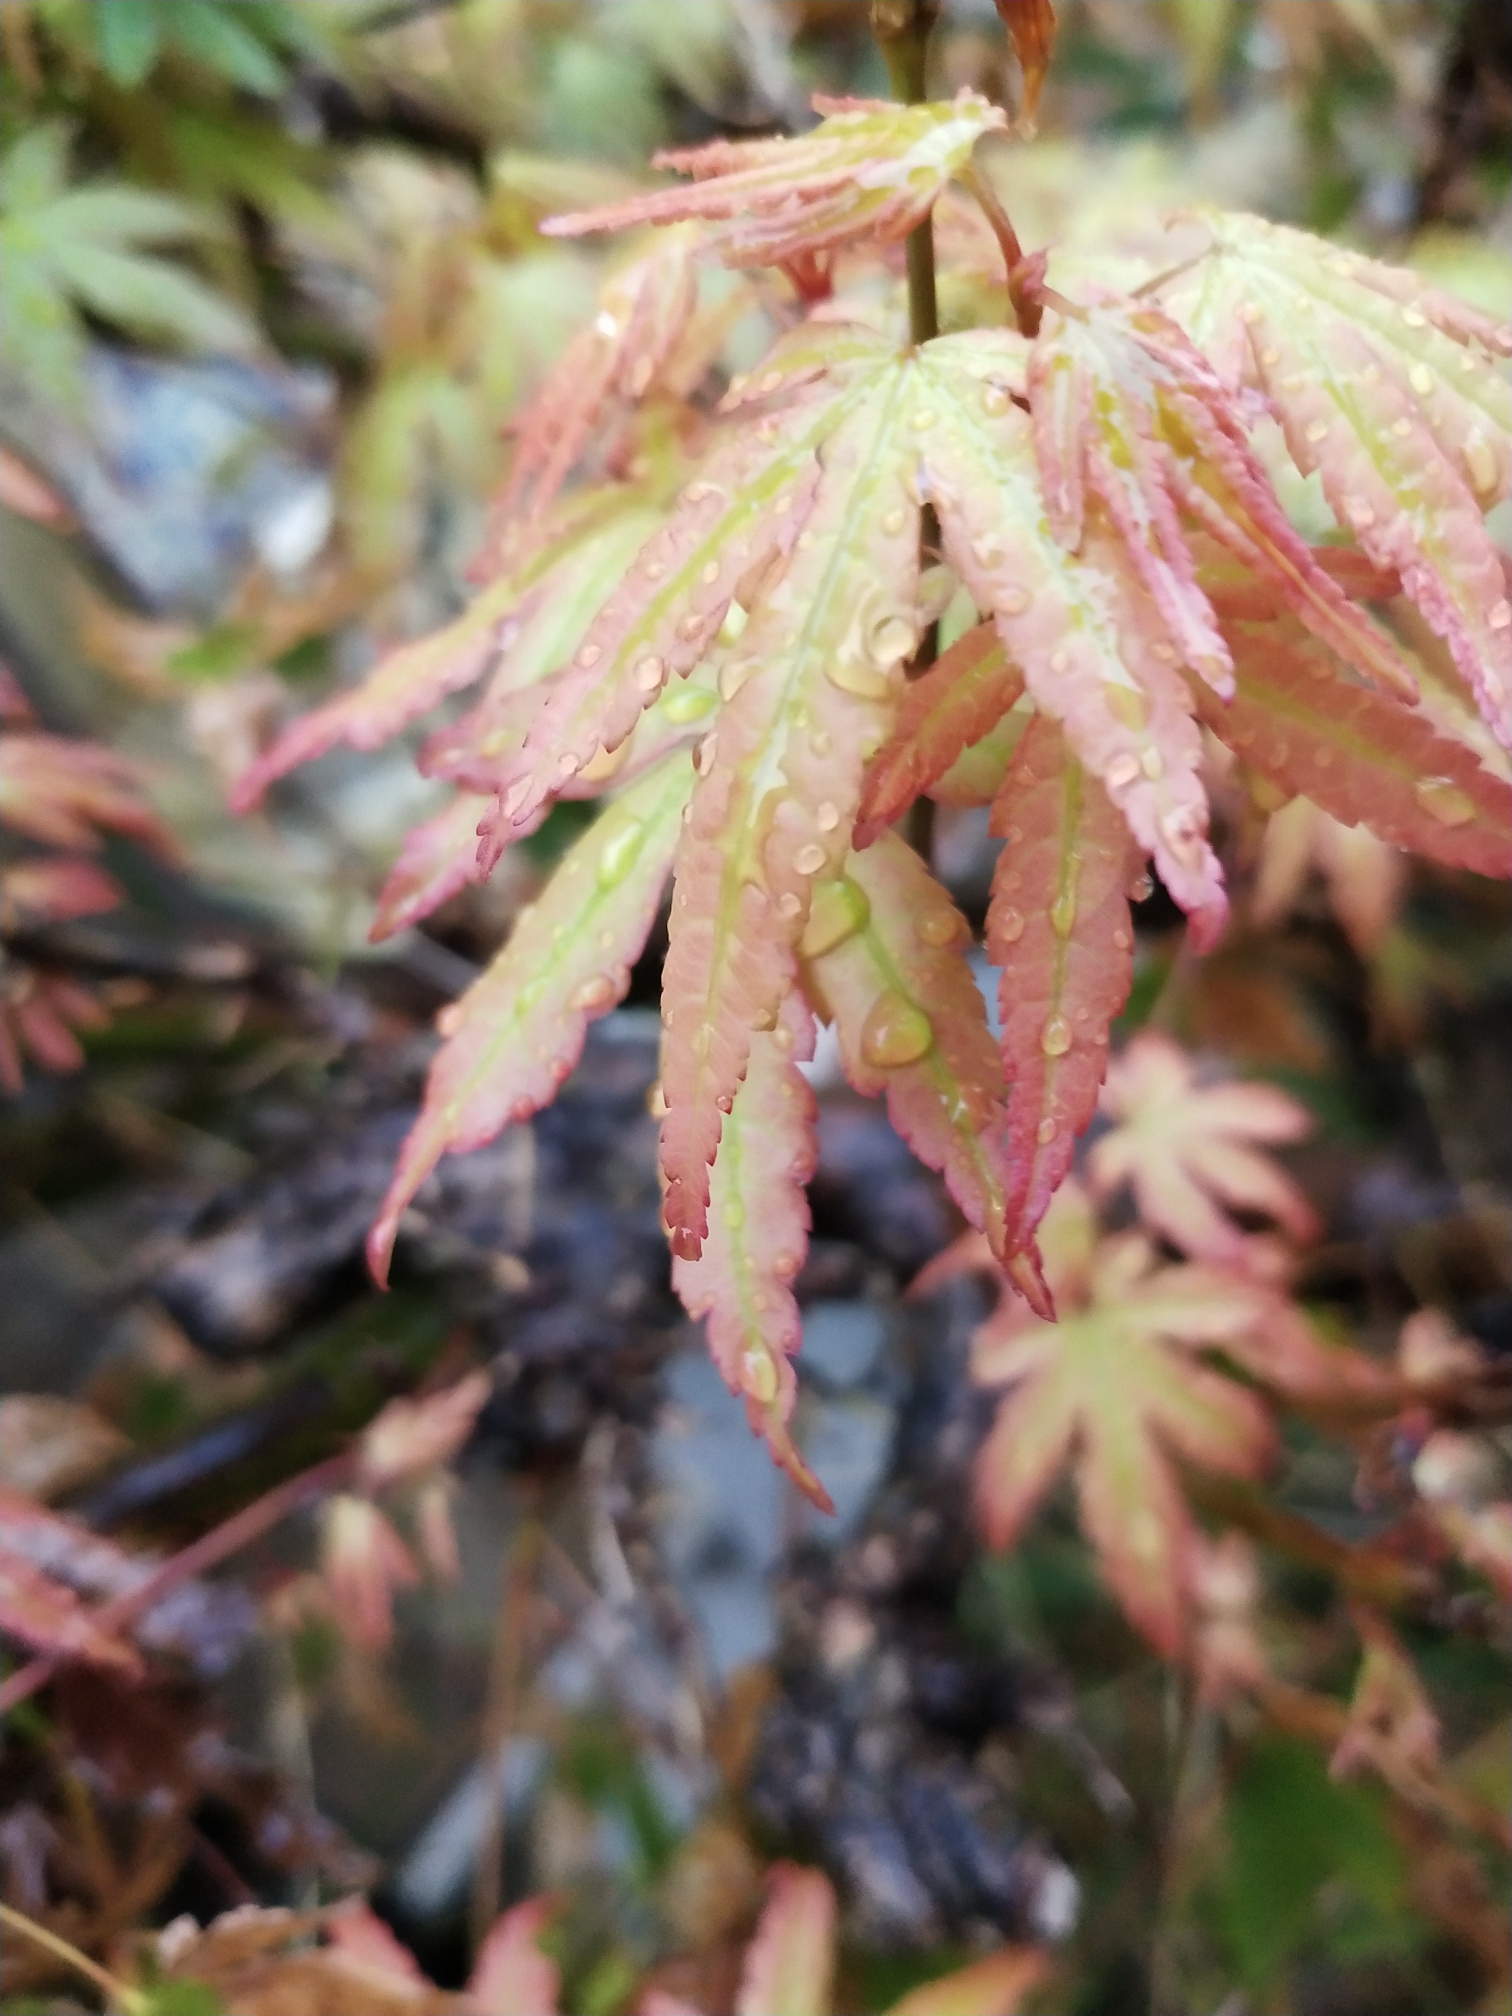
1188 1149
1031 26
742 1280
516 1033
1059 930
1116 1389
790 1962
884 958
871 169
958 701
511 1975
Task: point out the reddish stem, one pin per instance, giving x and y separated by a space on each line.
239 1531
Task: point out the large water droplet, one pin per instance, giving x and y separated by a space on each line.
1063 913
1480 464
618 854
839 909
810 858
758 1376
888 639
734 676
1045 1133
1127 705
687 703
597 992
942 928
1443 800
649 673
893 521
854 674
1142 888
995 399
894 1032
1122 770
1055 1037
1009 926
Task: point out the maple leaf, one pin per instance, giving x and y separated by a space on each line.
65 793
1059 930
39 1013
439 858
1031 26
790 1961
963 696
87 247
1186 1149
515 1034
1127 410
643 316
1365 876
511 1972
746 506
871 169
408 1435
47 1616
993 1986
51 891
1390 1727
523 625
1116 1388
1080 625
884 960
363 1561
1389 389
741 1281
1225 1584
1363 757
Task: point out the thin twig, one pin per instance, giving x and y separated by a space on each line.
239 1531
902 28
506 1670
108 1985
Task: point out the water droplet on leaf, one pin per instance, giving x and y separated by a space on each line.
597 992
688 703
1009 926
758 1377
1127 705
1063 913
941 928
1055 1037
837 912
618 854
894 1032
1443 800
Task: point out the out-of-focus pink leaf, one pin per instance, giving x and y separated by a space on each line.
511 1975
1188 1149
995 1986
408 1436
870 169
790 1963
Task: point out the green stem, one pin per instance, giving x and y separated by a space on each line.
902 28
28 1928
